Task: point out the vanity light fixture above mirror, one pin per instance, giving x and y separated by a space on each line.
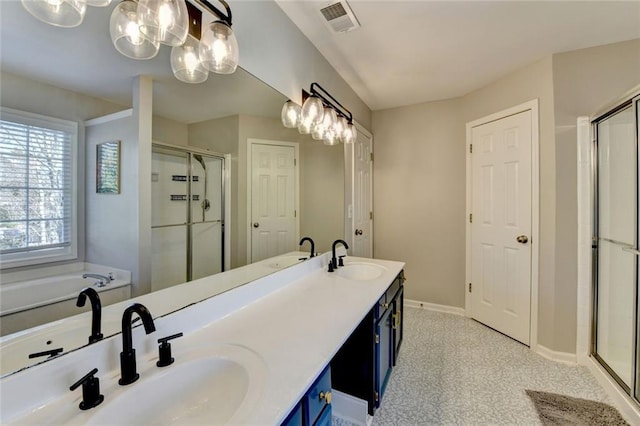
139 27
321 115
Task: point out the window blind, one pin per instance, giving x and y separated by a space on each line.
36 183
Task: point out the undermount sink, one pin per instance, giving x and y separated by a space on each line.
207 387
360 271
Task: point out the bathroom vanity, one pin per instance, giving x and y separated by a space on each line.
253 355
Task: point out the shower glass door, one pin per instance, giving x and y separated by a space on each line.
616 243
187 216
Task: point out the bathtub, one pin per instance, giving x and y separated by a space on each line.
32 298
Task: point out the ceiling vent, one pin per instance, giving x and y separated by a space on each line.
340 17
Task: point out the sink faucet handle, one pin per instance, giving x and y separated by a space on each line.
341 260
164 350
91 396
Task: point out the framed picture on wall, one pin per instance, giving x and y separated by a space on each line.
108 167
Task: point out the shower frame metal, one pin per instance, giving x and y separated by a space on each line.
190 152
633 390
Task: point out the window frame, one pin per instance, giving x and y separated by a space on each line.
48 255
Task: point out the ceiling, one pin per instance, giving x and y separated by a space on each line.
408 52
83 60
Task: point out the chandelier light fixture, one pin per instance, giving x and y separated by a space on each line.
138 28
321 115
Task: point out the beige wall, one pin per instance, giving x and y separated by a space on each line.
583 82
169 131
532 82
419 197
321 176
274 50
407 140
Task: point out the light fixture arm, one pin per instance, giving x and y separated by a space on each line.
214 10
326 97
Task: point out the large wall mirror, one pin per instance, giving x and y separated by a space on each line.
205 136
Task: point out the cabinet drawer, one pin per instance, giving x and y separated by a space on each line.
393 289
313 401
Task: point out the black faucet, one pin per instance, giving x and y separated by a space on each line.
128 369
334 262
96 310
313 246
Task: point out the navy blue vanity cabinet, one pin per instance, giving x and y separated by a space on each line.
315 407
363 365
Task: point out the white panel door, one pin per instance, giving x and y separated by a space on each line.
273 192
501 225
362 199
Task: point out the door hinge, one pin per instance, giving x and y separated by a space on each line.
371 156
470 148
370 215
295 162
469 287
377 339
295 213
376 396
470 217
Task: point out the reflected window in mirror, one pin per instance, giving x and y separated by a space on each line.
37 188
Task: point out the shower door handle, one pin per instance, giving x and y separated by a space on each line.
631 250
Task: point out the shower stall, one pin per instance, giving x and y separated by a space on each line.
187 219
615 331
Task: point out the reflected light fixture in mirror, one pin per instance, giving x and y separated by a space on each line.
324 117
126 35
61 13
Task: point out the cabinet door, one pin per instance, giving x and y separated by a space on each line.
398 311
295 417
384 352
325 417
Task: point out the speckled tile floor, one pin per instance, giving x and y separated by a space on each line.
455 371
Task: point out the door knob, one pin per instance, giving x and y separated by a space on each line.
256 224
358 231
522 239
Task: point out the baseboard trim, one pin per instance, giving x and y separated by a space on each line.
623 402
434 307
563 357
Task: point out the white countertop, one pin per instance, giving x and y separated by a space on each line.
294 320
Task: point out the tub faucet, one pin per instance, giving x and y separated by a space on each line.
313 246
128 369
103 280
96 311
333 264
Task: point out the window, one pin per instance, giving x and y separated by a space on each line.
37 188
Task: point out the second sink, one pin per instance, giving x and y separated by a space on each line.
360 271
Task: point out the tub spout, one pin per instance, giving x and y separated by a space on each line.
96 310
103 280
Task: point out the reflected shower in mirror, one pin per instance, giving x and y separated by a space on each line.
207 129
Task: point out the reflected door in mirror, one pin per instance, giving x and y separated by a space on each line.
273 200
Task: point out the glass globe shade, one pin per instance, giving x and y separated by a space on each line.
317 133
329 119
341 124
126 36
164 21
185 62
61 13
350 134
311 114
290 114
219 48
330 137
